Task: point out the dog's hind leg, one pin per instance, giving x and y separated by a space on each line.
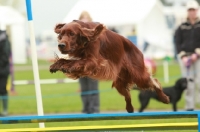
157 87
146 82
123 90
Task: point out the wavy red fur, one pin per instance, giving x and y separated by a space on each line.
103 55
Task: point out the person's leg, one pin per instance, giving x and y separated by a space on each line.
197 81
84 97
190 91
94 96
5 105
4 95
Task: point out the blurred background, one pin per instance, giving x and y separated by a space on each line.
149 24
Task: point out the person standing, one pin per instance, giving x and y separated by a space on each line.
4 70
89 87
187 41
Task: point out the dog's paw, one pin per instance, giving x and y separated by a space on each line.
166 100
129 108
59 65
53 69
70 69
64 69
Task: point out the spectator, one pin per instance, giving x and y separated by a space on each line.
89 87
188 48
4 70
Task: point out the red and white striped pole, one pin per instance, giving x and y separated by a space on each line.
34 61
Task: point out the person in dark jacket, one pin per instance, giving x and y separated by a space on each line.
187 41
4 70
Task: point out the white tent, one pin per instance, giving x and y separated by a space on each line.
13 23
146 16
112 12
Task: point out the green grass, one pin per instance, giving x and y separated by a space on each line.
65 98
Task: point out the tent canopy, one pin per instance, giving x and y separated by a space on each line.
9 16
112 12
145 16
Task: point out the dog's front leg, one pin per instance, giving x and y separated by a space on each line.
174 106
58 64
79 67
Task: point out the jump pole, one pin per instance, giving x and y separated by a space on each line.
34 61
166 71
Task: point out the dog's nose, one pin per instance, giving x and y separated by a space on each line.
61 46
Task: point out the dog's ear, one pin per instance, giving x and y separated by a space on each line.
82 40
98 30
91 34
58 27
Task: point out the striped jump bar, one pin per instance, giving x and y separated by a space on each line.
89 117
114 116
139 127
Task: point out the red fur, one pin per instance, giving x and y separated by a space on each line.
103 55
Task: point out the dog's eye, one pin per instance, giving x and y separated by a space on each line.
71 34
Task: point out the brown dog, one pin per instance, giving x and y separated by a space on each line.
99 53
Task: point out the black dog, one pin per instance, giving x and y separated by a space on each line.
174 93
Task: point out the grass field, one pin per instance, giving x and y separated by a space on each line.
65 98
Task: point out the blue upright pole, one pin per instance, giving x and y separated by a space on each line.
34 62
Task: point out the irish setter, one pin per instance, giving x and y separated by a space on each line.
99 53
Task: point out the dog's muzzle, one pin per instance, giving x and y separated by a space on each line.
61 46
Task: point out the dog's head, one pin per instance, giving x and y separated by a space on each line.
76 35
181 84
